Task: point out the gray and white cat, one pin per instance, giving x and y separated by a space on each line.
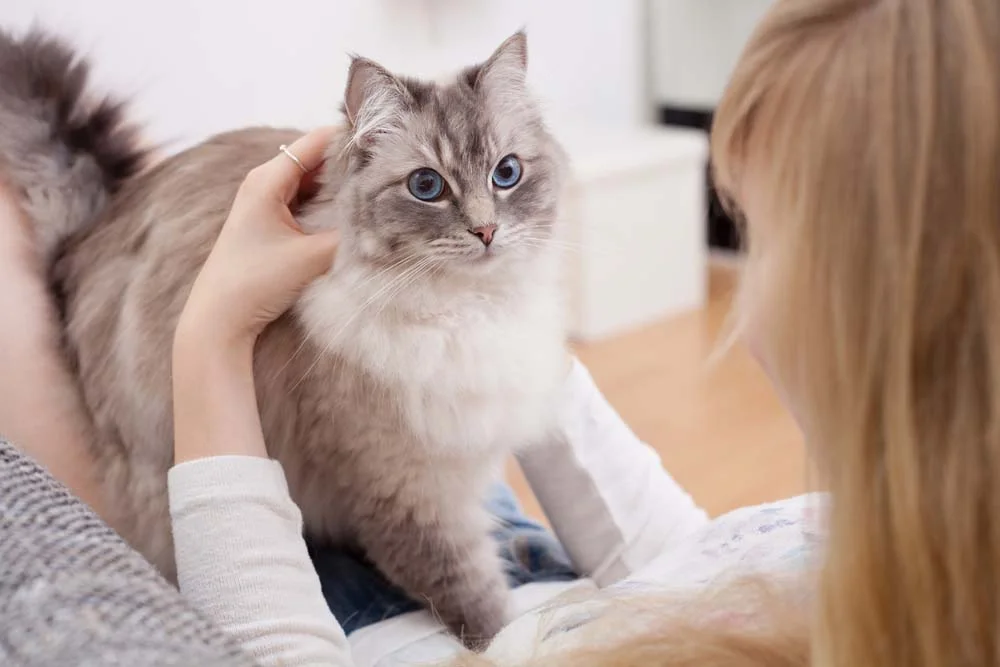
404 377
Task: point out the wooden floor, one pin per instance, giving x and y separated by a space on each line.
720 429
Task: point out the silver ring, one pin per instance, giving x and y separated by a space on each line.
291 156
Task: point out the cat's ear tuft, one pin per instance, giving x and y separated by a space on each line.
515 49
374 98
508 66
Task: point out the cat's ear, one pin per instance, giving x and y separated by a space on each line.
374 99
507 68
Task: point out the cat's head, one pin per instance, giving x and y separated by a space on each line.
461 173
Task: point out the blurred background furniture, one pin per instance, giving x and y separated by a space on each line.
693 46
633 221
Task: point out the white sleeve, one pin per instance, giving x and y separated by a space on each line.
609 500
241 561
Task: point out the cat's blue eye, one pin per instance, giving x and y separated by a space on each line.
426 184
507 173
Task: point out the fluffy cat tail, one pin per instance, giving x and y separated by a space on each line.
63 149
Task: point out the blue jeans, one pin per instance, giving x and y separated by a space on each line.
359 595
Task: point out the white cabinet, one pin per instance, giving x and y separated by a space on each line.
635 227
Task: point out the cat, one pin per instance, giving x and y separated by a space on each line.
395 389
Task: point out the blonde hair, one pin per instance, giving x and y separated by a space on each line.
874 126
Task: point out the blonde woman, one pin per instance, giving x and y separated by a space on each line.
860 139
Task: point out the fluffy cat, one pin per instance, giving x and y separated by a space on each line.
403 378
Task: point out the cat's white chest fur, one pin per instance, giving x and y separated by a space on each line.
469 369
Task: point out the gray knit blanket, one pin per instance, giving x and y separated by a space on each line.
73 593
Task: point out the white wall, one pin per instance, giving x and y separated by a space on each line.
194 67
586 55
693 46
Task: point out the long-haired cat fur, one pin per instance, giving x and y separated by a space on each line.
403 378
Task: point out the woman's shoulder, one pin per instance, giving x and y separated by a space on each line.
774 538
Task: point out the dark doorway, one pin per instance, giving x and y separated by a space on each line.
720 229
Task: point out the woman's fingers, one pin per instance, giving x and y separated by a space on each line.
280 176
317 251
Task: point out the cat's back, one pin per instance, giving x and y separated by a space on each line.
149 243
126 278
185 197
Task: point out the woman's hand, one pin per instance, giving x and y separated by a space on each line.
261 261
259 265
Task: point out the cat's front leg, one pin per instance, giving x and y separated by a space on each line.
443 556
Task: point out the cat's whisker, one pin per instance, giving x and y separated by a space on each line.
400 279
548 244
426 268
386 269
541 242
451 246
531 243
381 272
567 246
413 274
527 236
372 298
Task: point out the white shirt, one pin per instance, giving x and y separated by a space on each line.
623 520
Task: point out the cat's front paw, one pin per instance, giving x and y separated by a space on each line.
451 563
480 620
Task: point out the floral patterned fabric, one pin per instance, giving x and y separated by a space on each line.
779 539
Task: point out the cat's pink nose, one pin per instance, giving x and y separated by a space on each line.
485 233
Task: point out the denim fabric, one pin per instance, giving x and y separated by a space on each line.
359 595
